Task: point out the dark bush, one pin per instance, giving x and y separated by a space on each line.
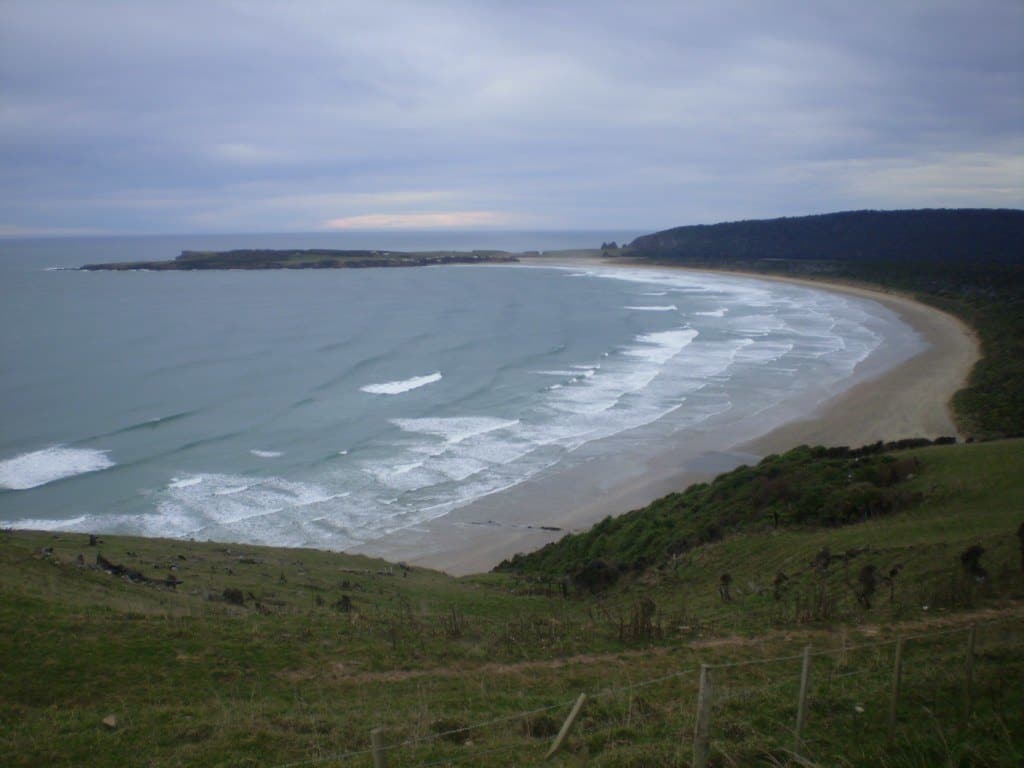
595 576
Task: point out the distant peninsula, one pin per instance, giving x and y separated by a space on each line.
316 258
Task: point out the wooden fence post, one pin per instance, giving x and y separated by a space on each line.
702 726
801 702
969 673
377 742
897 672
563 734
844 658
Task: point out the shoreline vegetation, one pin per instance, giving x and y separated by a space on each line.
880 586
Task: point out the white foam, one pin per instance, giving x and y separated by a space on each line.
662 346
403 477
191 504
456 429
458 468
398 387
30 470
578 373
758 325
665 308
614 398
656 293
265 454
39 524
720 312
230 490
761 352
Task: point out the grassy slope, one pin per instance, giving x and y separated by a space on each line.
196 681
803 486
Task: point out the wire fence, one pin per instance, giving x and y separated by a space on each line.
796 705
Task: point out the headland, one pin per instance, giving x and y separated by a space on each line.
316 258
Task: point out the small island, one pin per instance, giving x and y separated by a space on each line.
314 258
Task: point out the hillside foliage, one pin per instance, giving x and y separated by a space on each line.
802 487
929 235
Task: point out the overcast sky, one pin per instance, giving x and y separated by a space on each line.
216 116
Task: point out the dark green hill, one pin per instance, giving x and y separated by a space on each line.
929 235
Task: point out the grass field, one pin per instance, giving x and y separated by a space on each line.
325 647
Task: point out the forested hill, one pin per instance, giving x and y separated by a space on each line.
936 235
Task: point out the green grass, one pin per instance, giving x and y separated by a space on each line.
194 680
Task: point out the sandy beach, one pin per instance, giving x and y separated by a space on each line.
909 400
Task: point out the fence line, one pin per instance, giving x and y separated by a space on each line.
633 686
485 724
709 695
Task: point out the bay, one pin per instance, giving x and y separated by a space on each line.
331 408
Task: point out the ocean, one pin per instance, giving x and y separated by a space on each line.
332 408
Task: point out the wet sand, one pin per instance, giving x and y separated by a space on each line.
620 473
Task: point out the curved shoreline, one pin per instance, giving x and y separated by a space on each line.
908 400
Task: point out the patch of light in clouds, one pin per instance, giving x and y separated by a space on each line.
437 220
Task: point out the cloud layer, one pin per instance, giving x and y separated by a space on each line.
256 116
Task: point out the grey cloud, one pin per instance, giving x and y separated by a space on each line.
224 115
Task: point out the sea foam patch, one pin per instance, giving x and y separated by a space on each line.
662 346
404 385
30 470
454 430
49 524
193 503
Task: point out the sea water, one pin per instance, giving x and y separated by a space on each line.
332 407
